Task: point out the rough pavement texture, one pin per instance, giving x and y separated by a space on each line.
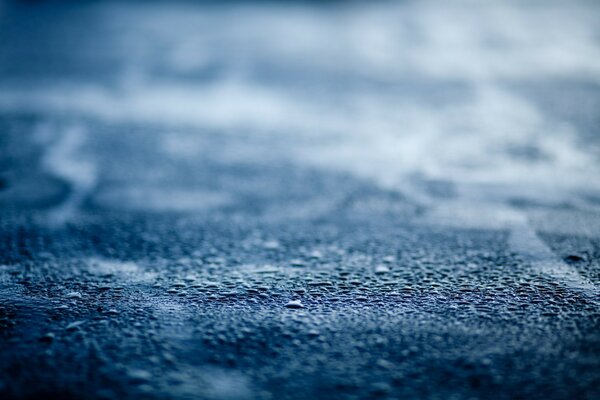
300 200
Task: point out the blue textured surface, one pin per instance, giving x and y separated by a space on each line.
270 200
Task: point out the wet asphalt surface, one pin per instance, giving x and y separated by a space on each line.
299 200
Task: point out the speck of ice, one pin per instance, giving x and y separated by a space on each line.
74 325
271 244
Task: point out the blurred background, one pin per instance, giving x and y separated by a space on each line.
496 100
164 162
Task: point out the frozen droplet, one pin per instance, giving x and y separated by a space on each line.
385 364
47 338
297 263
271 244
294 304
381 269
139 375
316 254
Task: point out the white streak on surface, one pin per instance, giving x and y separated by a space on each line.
64 160
543 261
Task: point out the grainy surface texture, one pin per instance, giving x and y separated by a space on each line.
300 200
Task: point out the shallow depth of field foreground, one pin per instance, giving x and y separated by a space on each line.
300 200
